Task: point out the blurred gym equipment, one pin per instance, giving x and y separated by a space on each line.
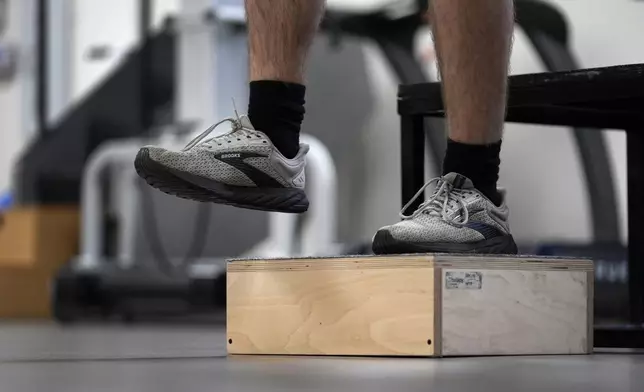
8 50
120 107
95 285
106 280
221 37
105 285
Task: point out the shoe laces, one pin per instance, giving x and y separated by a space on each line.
439 204
237 131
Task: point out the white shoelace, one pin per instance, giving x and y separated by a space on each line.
439 203
237 130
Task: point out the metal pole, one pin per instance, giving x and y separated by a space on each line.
635 180
145 67
42 49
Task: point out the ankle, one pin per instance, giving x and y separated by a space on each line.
491 193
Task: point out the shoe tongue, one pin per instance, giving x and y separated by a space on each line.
245 122
458 181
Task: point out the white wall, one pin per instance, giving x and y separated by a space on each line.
101 23
92 22
17 115
164 8
110 23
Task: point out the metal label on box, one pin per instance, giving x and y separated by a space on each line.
461 280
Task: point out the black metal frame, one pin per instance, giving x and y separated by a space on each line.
610 98
548 32
42 49
145 66
635 168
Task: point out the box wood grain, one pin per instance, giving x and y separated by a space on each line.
410 305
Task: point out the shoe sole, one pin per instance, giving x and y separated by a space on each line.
384 243
188 186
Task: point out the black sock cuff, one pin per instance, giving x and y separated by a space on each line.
277 109
491 149
273 101
293 92
473 158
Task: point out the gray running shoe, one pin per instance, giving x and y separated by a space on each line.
241 168
457 218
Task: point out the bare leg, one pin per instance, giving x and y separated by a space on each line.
280 35
474 39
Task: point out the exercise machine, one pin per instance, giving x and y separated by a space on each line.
95 285
98 284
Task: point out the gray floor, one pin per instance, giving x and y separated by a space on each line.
143 358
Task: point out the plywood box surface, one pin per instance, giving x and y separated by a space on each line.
411 305
42 237
34 243
24 293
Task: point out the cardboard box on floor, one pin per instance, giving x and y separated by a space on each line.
34 243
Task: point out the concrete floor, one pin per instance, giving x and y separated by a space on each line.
45 357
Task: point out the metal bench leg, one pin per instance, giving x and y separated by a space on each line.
412 155
635 168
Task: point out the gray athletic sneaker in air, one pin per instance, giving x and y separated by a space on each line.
240 168
457 218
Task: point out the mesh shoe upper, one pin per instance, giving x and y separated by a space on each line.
455 213
242 157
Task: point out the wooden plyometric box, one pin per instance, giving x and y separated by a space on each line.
34 243
410 305
41 237
24 293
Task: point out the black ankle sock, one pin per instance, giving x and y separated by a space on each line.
277 109
480 163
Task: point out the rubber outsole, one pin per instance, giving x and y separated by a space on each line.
182 185
384 244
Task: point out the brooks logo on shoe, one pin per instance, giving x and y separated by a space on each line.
258 177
